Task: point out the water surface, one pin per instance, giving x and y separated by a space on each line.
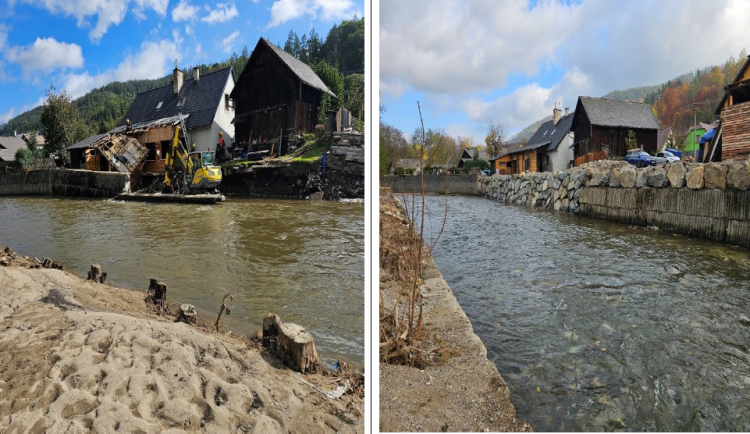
301 260
600 326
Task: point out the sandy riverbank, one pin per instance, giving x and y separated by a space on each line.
77 356
461 390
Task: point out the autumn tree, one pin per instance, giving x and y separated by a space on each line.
495 140
630 140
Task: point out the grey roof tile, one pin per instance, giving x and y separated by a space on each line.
301 69
612 113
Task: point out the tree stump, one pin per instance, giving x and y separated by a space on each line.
46 263
293 344
187 314
157 294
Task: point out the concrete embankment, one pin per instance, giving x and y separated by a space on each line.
79 356
709 201
460 389
434 184
63 182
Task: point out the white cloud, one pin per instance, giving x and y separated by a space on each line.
184 11
3 36
222 13
45 54
5 117
189 30
176 37
226 43
107 12
328 10
153 61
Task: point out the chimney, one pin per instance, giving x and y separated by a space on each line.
567 111
197 74
177 78
15 134
556 115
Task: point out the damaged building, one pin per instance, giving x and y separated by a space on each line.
277 95
731 138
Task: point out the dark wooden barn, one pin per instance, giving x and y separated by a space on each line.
601 125
276 95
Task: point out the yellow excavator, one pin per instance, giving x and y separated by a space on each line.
189 172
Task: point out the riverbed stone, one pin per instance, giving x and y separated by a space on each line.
738 176
676 174
715 176
641 178
557 205
658 178
627 177
694 177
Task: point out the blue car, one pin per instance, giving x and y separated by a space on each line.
640 159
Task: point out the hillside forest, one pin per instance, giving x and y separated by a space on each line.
339 59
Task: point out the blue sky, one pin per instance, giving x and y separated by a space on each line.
469 62
78 45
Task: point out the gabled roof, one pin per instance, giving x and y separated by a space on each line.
737 77
468 154
8 147
661 137
703 126
302 70
201 100
549 134
510 148
613 113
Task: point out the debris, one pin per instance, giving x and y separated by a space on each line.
156 295
187 314
291 343
333 394
95 273
223 308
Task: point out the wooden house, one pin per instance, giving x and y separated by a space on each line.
549 149
600 127
732 137
276 95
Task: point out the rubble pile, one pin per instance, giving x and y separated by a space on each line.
560 190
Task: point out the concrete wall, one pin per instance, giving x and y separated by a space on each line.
719 215
434 184
71 183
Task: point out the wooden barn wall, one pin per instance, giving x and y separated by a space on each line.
735 124
615 138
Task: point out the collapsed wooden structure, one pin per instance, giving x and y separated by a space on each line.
731 139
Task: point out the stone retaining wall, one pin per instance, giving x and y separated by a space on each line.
63 182
434 184
710 201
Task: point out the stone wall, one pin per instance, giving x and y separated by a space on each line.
434 184
710 201
63 182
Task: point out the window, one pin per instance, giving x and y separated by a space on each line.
228 102
158 106
151 156
545 132
181 102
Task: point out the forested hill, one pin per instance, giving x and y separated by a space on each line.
103 108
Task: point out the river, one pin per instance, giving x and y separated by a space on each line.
301 260
600 326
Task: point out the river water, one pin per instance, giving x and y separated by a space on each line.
301 260
600 326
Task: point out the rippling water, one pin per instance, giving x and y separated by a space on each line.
600 326
301 260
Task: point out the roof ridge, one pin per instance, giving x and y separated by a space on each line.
184 81
611 99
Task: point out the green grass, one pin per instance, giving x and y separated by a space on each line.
311 151
237 163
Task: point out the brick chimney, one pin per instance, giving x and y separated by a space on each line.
556 114
196 74
567 111
177 78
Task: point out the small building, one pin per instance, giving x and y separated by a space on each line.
277 95
205 103
468 154
732 137
549 149
601 125
503 163
411 166
9 145
692 140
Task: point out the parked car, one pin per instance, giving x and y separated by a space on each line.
677 153
640 159
665 157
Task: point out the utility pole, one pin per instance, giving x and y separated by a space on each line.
695 128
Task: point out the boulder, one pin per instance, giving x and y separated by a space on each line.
557 205
614 178
715 175
694 177
640 178
599 178
676 174
657 178
738 177
627 177
545 185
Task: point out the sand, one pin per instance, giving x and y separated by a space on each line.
77 356
462 389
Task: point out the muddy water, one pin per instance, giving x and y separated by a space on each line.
301 260
598 326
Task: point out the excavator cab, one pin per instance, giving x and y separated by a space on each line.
204 174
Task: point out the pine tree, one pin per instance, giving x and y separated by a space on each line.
289 46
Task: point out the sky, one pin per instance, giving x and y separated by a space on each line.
79 45
510 61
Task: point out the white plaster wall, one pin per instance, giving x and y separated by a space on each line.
223 118
561 156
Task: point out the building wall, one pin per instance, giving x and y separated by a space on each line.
223 117
563 154
687 145
205 138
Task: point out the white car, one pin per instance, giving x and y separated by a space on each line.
666 157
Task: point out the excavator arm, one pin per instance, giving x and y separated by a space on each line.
177 163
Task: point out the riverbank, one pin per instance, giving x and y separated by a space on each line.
77 355
461 389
